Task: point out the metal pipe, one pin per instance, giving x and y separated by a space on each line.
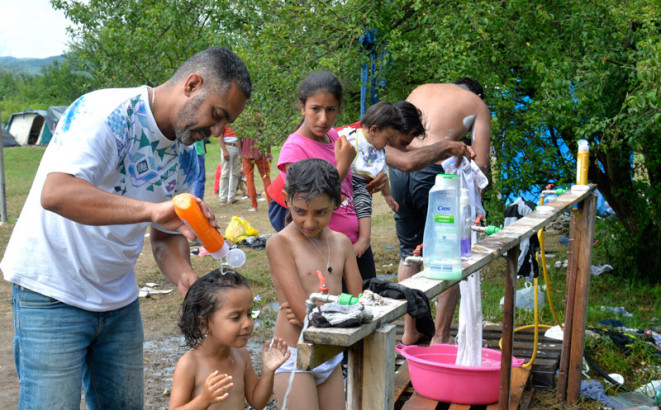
3 197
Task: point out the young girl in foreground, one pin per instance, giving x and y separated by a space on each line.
217 372
303 247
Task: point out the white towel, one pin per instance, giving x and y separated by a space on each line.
469 332
472 178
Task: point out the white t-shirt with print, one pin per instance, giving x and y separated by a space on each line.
109 138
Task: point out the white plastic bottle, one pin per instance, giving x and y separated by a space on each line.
441 251
466 222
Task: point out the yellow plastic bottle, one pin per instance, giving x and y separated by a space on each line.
190 212
582 160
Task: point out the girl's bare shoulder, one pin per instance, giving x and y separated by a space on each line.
338 238
188 362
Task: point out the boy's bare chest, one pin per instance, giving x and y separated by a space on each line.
310 260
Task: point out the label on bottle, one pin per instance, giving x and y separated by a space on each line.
444 219
582 168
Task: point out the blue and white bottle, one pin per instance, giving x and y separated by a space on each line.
442 248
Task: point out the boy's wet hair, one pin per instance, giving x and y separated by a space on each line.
204 297
471 84
384 115
319 80
311 177
411 118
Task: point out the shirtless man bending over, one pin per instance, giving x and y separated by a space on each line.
449 112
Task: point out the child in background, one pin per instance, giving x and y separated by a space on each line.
380 126
217 372
230 175
304 246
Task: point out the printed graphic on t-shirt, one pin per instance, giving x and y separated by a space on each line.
145 163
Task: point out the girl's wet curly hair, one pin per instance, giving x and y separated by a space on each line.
204 297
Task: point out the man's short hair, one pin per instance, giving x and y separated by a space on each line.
471 85
220 67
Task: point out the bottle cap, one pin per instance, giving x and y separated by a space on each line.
222 252
347 299
447 180
583 146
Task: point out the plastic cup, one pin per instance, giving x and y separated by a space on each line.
235 258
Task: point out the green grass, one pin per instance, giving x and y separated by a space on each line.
20 167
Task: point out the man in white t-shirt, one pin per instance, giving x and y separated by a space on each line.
117 158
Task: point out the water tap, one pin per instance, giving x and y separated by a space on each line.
322 282
416 258
487 230
550 191
323 296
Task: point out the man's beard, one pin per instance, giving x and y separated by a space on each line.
187 116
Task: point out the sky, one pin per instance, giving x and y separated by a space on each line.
31 29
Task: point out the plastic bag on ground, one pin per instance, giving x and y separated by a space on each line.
238 229
525 297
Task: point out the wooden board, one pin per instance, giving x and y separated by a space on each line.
402 380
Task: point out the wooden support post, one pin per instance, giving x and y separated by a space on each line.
378 387
371 376
570 292
583 259
355 376
508 328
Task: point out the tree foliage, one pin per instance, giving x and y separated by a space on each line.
57 84
554 72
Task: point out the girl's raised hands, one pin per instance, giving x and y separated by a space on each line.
216 388
274 353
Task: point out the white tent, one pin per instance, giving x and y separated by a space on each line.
34 127
8 140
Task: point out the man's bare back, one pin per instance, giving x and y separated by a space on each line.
450 112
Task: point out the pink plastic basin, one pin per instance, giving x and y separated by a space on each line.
434 374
